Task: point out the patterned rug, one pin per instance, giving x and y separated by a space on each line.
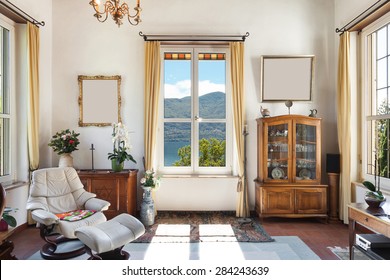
343 253
209 226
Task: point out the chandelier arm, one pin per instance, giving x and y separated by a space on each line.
117 12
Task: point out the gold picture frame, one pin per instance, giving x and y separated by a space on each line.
99 100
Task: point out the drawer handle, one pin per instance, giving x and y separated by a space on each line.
366 219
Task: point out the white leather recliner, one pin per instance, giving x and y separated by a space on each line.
54 191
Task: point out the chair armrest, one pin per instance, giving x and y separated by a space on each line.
44 217
97 204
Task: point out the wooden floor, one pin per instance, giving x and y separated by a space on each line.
315 233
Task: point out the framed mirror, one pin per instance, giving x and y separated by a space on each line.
99 100
287 78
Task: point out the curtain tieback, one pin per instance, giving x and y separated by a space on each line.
239 184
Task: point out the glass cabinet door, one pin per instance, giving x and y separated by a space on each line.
278 152
305 152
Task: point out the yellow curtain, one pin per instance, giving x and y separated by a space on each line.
344 123
33 96
238 97
151 93
151 99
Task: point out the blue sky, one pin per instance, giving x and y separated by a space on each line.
177 81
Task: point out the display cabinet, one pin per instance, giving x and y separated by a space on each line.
288 179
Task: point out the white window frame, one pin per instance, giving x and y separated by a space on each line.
10 25
368 86
195 169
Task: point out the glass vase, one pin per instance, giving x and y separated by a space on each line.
116 165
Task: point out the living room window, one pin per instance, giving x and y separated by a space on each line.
376 101
195 126
5 104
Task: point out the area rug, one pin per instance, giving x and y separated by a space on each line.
343 253
208 226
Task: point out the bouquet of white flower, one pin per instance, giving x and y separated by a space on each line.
149 180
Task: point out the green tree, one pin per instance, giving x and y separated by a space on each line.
185 156
212 153
383 141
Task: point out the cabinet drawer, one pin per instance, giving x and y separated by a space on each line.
367 221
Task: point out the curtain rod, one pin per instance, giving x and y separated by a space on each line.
372 9
204 38
19 12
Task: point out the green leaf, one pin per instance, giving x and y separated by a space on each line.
9 220
370 186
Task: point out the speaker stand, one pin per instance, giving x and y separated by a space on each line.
333 181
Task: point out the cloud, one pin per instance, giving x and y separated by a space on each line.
183 88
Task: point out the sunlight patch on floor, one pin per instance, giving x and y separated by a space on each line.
216 241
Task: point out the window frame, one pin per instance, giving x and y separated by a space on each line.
195 169
10 25
368 86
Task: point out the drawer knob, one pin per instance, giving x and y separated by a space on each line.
366 219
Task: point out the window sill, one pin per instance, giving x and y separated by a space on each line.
13 185
197 176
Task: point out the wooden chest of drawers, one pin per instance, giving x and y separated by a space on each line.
119 188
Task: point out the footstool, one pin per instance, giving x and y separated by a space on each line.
106 240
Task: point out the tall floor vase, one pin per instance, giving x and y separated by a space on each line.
147 207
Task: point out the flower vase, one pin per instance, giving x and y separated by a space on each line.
66 160
374 203
147 207
3 225
116 165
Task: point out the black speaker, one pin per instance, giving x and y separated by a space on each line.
332 163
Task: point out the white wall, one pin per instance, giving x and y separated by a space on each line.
81 45
74 43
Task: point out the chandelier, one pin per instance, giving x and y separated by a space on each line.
116 10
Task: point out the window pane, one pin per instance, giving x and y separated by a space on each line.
212 144
382 107
212 80
382 73
177 88
4 70
379 147
177 144
4 147
382 42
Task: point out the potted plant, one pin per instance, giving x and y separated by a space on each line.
374 197
64 143
121 147
7 219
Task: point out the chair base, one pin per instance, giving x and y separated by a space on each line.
117 254
48 252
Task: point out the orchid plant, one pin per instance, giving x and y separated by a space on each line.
121 144
374 189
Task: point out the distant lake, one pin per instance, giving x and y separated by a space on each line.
170 152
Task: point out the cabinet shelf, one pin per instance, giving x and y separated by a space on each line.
294 189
